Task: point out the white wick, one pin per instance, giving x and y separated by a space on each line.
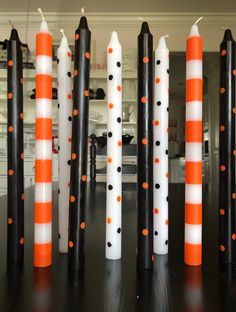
82 11
198 20
141 18
40 11
166 36
62 31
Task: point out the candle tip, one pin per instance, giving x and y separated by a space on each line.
14 34
145 28
82 11
41 13
198 20
62 31
83 22
11 24
228 35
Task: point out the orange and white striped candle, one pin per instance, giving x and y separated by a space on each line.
193 149
43 149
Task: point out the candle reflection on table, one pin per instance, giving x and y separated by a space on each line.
41 300
193 292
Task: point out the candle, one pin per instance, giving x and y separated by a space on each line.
15 185
114 149
64 137
79 146
43 149
193 149
160 151
227 150
145 149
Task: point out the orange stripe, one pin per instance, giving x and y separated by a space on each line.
43 44
193 90
43 170
43 212
43 129
194 131
193 172
42 255
43 87
193 213
192 254
194 48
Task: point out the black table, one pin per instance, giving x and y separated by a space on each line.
115 285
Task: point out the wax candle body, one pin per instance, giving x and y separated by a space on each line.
79 148
160 152
64 139
193 150
145 149
227 195
43 149
15 186
114 149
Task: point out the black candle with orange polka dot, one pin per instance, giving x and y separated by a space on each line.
227 150
15 185
79 146
145 149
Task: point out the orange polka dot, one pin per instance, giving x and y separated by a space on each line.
222 168
110 105
75 112
76 36
145 59
70 140
234 152
22 196
118 198
234 110
87 55
22 81
119 143
222 90
9 220
234 195
145 232
145 185
222 128
69 96
166 222
223 52
10 63
10 96
22 155
86 93
109 160
167 175
72 199
222 212
157 123
158 80
119 88
73 156
156 210
68 54
75 72
10 129
152 258
22 241
109 220
234 72
110 50
157 160
222 248
144 100
82 225
21 115
233 236
84 178
70 244
144 141
10 172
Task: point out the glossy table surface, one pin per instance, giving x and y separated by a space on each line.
115 285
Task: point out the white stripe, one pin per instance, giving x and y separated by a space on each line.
43 149
43 65
42 233
193 110
194 69
43 108
193 193
193 151
43 192
193 234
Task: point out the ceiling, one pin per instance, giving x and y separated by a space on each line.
68 6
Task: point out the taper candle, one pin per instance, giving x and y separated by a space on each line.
114 149
15 185
43 149
64 138
227 151
145 149
160 152
193 149
79 146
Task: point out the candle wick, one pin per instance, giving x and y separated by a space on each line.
166 36
82 11
198 20
40 11
141 18
62 31
224 28
11 24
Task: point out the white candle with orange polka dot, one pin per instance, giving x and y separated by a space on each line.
64 138
160 149
114 148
